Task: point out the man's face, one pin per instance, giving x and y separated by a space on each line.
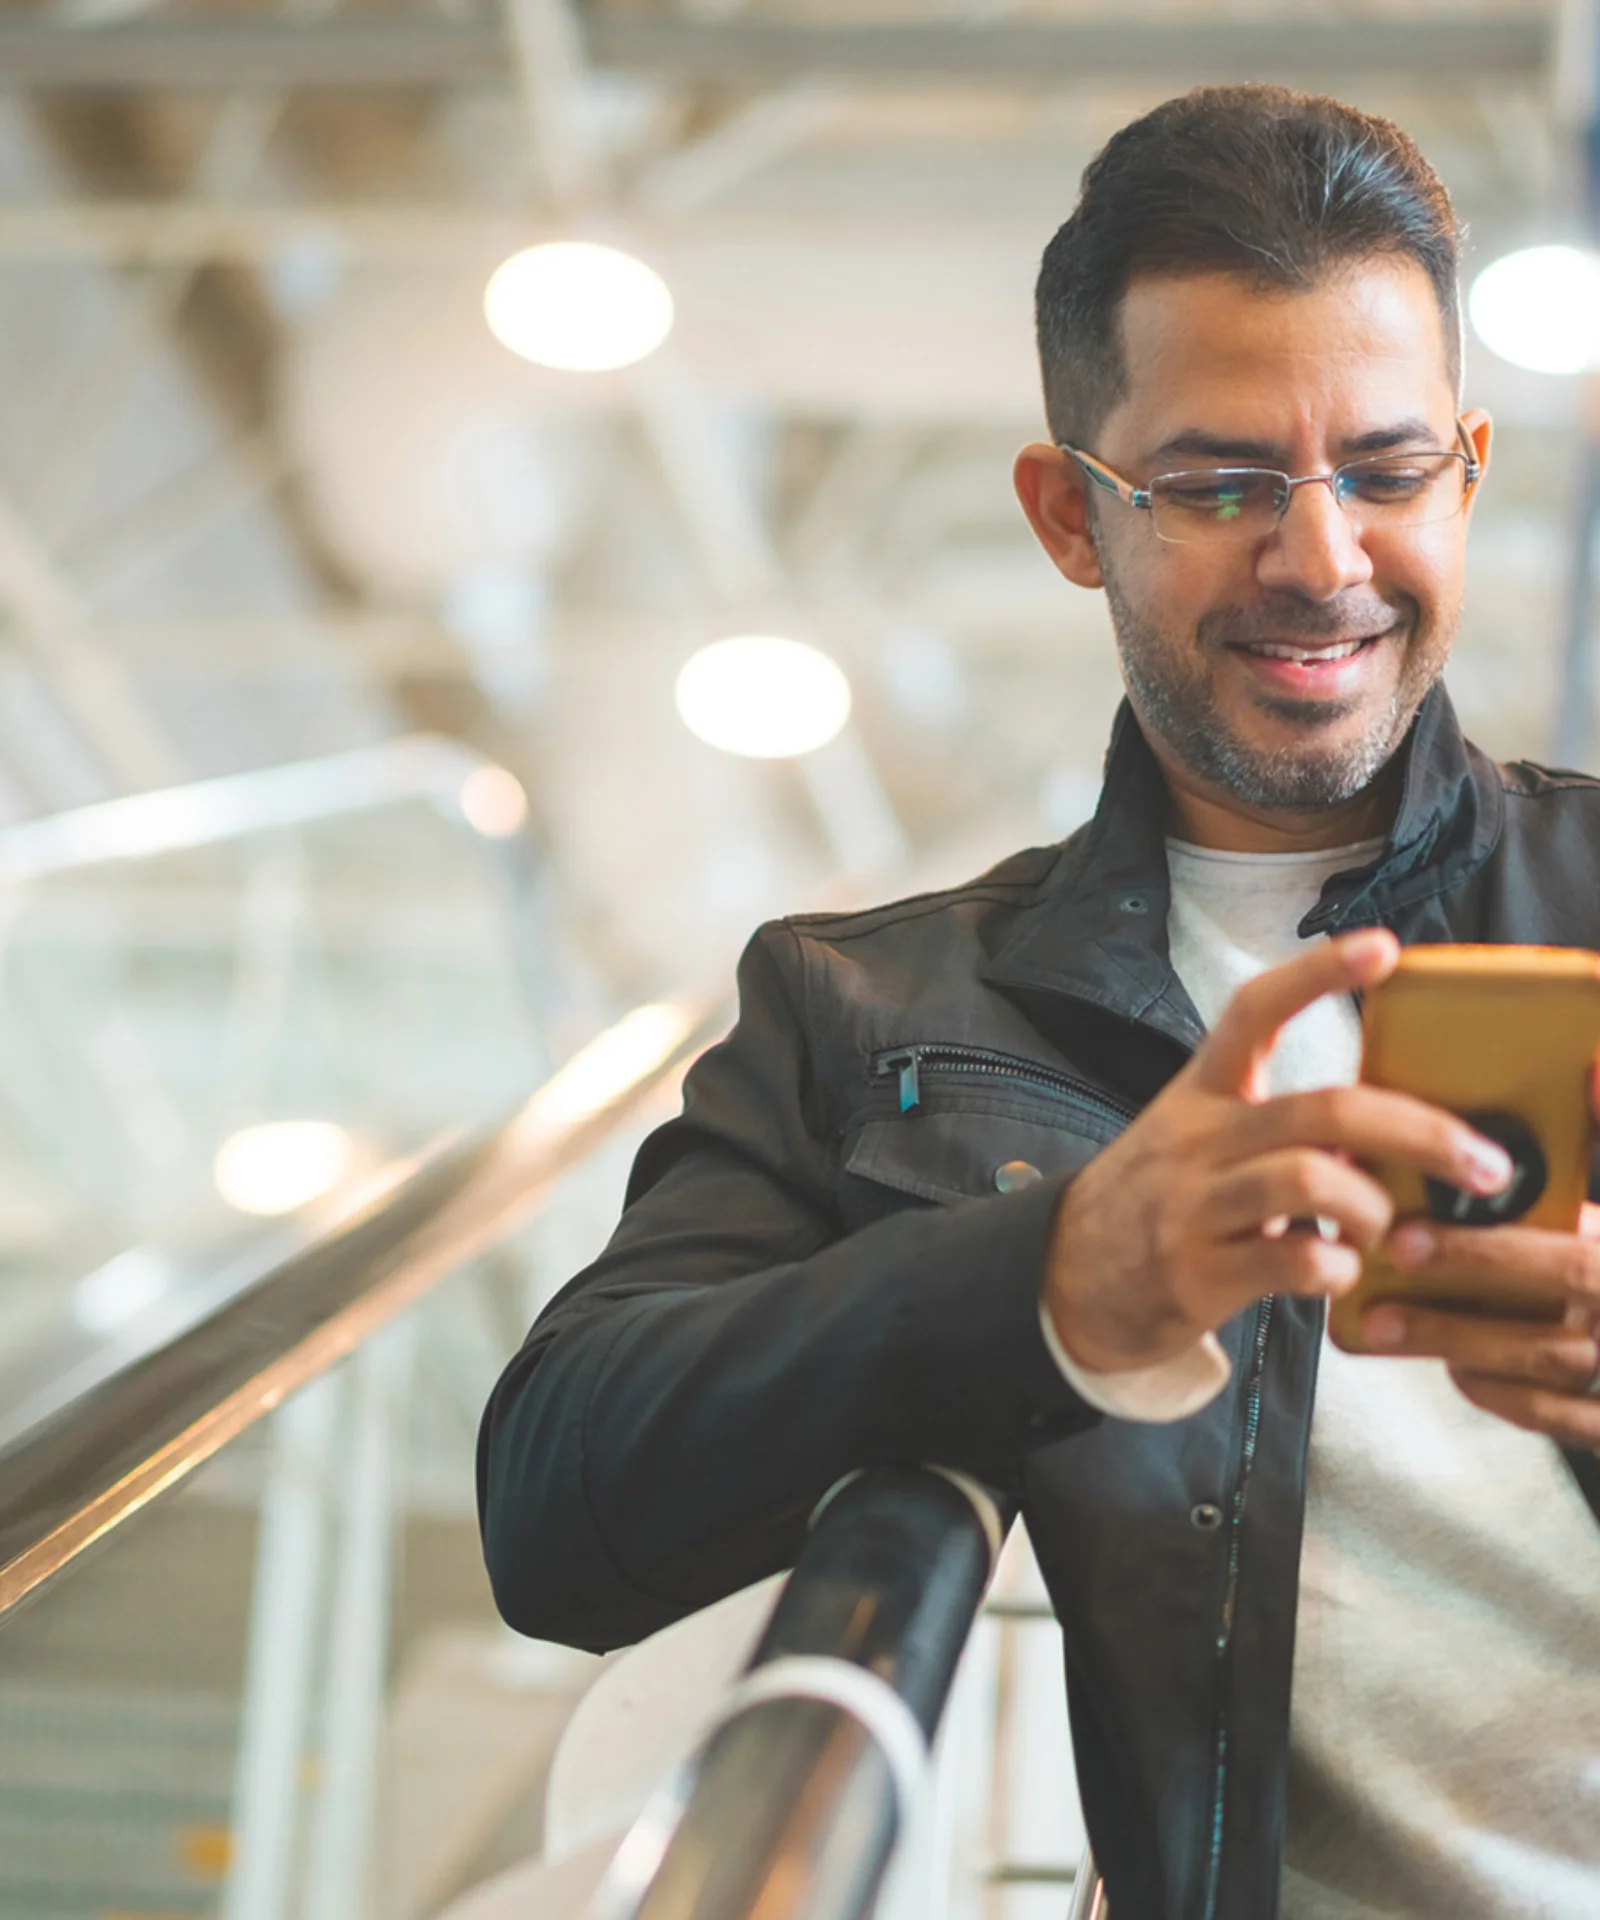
1220 372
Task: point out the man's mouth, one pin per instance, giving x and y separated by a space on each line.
1308 656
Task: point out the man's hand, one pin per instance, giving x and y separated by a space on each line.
1536 1375
1180 1223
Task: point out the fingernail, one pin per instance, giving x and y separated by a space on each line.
1385 1327
1343 1266
1412 1245
1367 944
1489 1166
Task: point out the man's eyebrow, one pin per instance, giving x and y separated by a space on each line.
1404 433
1196 444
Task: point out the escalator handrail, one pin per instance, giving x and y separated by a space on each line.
69 1481
802 1789
819 1756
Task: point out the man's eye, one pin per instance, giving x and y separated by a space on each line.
1382 485
1214 499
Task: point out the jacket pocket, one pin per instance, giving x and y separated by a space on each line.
951 1155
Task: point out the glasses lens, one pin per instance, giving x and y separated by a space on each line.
1403 489
1225 503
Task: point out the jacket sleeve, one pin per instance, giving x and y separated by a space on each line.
677 1411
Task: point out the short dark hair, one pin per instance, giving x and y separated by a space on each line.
1260 181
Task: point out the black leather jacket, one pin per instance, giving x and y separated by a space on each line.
815 1273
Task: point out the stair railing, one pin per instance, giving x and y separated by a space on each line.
793 1806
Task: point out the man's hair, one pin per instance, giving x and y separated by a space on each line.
1275 186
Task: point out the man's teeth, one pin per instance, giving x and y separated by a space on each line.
1341 652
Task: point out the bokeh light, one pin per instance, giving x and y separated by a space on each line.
492 801
1539 308
281 1165
762 696
577 306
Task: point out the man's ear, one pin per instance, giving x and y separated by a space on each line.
1479 430
1052 489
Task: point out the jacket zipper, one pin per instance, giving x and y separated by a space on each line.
907 1063
1230 1594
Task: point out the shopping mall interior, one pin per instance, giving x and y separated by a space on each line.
377 836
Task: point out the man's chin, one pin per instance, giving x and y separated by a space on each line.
1300 769
1303 717
1287 755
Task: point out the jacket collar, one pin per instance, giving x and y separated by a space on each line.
1099 933
1451 814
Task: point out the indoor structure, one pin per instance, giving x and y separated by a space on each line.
360 769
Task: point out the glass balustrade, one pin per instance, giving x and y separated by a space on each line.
227 1017
207 1048
281 1692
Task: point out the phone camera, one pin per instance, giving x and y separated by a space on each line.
1530 1173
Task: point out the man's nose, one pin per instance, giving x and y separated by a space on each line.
1316 550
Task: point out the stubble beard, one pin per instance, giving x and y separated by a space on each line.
1171 690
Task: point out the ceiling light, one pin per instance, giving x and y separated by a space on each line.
492 800
279 1166
1540 308
758 695
577 306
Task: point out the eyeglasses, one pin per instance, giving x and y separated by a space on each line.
1207 506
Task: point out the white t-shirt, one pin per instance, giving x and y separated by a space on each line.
1445 1744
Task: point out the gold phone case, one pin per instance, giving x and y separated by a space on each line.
1506 1037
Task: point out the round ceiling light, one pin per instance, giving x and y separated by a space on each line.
492 801
577 306
281 1165
1540 308
761 696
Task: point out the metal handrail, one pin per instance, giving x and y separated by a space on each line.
83 1469
1088 1892
208 812
69 1481
794 1804
801 1793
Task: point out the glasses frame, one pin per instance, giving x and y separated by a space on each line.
1143 498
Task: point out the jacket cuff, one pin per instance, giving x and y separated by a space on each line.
1171 1390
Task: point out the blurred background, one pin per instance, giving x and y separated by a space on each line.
360 758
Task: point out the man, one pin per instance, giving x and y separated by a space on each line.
999 1177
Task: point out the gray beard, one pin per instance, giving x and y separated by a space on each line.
1171 693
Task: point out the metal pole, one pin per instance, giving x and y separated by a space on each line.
1574 727
1088 1893
279 1670
338 1885
1573 732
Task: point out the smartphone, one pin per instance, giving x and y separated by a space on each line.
1506 1037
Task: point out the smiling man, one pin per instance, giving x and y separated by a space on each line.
998 1178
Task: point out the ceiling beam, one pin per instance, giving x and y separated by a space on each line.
91 684
219 314
1036 54
547 46
422 52
762 130
180 229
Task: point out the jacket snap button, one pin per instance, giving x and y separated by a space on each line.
1205 1516
1134 903
1015 1175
